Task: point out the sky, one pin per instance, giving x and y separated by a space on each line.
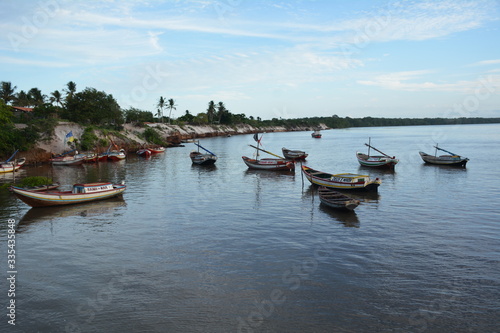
267 59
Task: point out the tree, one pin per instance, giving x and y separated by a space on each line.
56 97
36 97
223 114
171 105
136 115
70 91
187 117
161 105
94 107
22 99
7 92
211 112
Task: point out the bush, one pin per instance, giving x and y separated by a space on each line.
35 181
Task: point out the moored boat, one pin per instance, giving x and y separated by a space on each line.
294 154
80 193
67 160
278 163
202 159
383 160
268 163
316 134
157 150
342 181
336 200
451 159
116 155
144 152
10 166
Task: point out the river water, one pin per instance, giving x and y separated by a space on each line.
227 249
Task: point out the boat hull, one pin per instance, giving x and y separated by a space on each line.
337 200
269 164
45 199
294 154
11 166
349 182
451 160
144 152
202 159
116 156
68 161
376 161
157 150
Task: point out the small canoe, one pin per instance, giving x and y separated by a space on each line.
336 200
294 154
342 181
79 194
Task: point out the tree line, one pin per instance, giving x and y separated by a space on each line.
91 107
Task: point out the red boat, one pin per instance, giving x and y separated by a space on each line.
157 150
144 152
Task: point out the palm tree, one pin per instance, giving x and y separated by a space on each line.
70 91
22 99
211 112
56 97
161 105
171 105
7 92
36 97
221 109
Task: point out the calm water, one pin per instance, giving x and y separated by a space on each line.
226 249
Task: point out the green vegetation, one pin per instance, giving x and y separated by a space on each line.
99 111
153 136
35 181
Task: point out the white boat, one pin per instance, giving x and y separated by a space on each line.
12 165
294 154
278 163
79 194
383 160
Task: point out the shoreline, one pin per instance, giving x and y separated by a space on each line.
131 137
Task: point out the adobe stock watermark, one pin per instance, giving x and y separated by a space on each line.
224 7
152 78
31 25
292 280
365 35
103 298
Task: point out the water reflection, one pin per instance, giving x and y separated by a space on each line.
347 218
91 209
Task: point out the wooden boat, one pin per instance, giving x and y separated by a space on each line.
316 134
42 187
157 150
10 166
336 200
144 152
384 160
79 194
294 154
67 160
342 181
202 159
116 155
452 159
278 163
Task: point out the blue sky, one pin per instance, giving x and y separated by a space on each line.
267 59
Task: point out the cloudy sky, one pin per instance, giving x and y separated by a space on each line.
288 59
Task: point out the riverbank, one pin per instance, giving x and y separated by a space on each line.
132 136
